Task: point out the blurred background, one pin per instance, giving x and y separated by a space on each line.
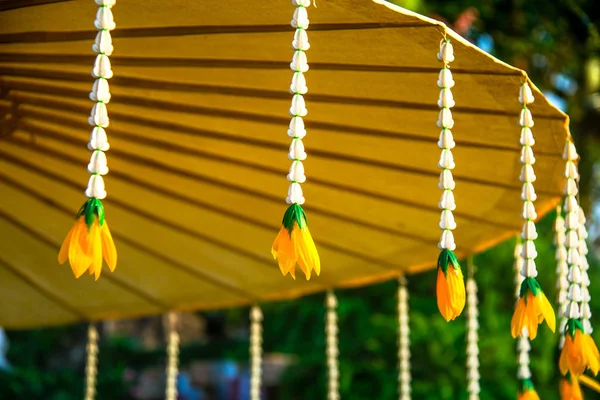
558 44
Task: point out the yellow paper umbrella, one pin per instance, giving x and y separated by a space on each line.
198 141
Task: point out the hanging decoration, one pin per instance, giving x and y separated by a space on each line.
579 351
89 241
588 382
91 364
294 243
586 312
404 377
526 388
473 387
450 286
562 269
172 369
331 334
532 307
256 318
569 389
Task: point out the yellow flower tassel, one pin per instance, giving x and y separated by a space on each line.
579 351
450 286
532 309
527 391
590 383
569 389
294 244
89 241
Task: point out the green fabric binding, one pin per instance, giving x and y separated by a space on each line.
294 213
92 209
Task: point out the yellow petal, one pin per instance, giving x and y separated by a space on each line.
283 252
563 363
308 251
63 254
590 351
532 312
442 295
547 311
276 242
78 257
109 251
518 319
564 389
587 381
576 359
296 239
457 290
96 249
576 390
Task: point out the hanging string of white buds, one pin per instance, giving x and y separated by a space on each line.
527 177
562 269
586 312
298 109
404 377
571 207
446 143
256 352
523 345
100 94
332 349
473 376
172 369
91 364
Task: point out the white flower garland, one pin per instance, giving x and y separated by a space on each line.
586 312
562 269
473 376
571 207
172 369
298 109
256 318
404 376
332 349
91 365
527 177
100 94
446 143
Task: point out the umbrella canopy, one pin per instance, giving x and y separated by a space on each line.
198 151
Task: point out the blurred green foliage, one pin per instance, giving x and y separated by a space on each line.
544 37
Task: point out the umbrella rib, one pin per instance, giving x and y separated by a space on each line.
40 287
234 91
15 4
31 99
198 274
137 61
166 31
